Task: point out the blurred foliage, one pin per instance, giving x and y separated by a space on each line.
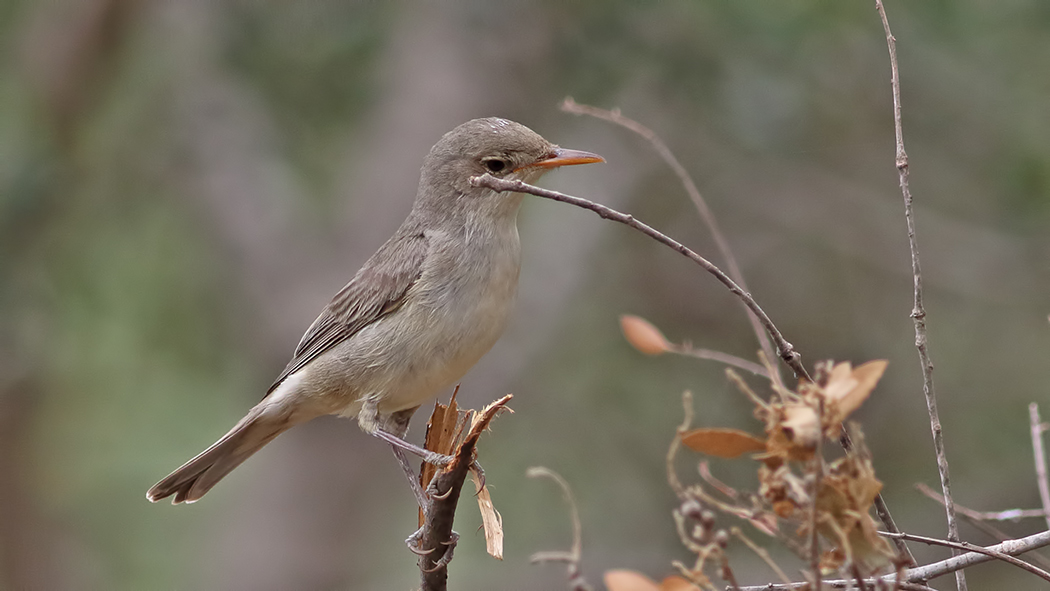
154 267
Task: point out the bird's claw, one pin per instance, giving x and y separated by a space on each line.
446 557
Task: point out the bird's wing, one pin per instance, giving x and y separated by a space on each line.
378 289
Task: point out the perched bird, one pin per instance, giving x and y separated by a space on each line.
415 318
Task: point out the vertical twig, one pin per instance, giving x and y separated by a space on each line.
435 541
614 116
1040 459
818 476
672 474
918 312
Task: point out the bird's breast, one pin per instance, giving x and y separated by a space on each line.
452 316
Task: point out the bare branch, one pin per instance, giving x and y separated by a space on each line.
955 563
918 313
571 106
1040 459
980 519
973 548
785 349
936 569
436 540
572 557
834 584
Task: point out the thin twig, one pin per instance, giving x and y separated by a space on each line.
712 355
979 516
817 475
705 472
571 106
834 584
1040 459
762 553
918 313
572 557
672 450
785 350
966 546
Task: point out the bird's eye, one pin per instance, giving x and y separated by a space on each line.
495 165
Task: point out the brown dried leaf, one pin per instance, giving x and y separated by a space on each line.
724 443
846 496
643 336
801 425
628 580
848 388
840 381
867 376
491 520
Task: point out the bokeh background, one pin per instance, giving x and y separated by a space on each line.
183 185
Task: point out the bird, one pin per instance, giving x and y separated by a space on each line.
415 318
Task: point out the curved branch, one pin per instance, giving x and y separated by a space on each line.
785 350
615 117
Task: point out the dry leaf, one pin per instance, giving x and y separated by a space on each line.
491 520
801 424
724 443
848 388
643 336
628 580
846 496
867 377
840 381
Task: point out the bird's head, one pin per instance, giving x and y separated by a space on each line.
495 146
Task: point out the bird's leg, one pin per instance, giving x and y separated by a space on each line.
413 483
430 457
400 446
392 428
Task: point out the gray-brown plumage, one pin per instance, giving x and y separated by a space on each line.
418 314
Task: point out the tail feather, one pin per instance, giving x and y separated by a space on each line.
197 476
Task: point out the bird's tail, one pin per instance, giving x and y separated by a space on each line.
197 476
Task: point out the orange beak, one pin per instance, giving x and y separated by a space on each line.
566 157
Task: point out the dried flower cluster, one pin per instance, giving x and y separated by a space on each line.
796 485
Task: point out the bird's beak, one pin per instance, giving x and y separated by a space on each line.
565 157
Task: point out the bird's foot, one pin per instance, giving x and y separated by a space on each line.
415 540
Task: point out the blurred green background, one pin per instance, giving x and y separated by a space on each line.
183 185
